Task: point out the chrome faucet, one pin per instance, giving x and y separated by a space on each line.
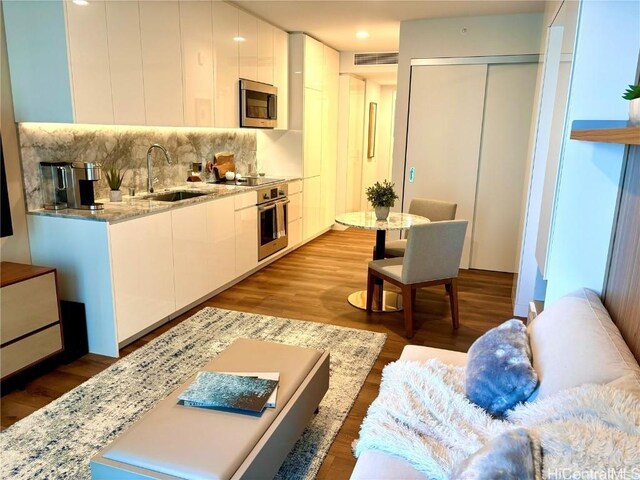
149 176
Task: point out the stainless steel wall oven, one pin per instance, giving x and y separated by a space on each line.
272 220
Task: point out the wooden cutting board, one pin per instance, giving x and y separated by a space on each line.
223 162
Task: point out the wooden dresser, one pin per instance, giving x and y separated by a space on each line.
30 329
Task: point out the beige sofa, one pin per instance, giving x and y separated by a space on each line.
573 342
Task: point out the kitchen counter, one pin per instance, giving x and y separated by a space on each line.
139 205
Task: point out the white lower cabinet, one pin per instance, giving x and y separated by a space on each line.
246 220
133 274
311 212
142 272
294 216
203 249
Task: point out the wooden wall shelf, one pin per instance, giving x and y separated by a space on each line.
606 131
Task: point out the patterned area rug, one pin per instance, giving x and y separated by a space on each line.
58 440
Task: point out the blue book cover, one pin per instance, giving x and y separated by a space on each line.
222 391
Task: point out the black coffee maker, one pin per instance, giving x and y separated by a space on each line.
80 190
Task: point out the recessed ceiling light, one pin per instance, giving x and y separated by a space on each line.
362 34
82 3
239 39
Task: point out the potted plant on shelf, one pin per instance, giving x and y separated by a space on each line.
382 197
114 176
633 95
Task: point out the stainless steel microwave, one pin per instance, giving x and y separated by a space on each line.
258 104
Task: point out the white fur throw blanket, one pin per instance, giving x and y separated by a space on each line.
423 416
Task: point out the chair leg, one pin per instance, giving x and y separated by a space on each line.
370 284
413 299
453 299
407 301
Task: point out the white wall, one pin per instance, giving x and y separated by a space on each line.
528 283
16 247
605 61
429 38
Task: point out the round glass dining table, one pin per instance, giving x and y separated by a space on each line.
382 301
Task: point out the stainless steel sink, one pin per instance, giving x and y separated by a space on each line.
174 196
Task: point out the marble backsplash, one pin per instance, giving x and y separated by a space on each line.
126 147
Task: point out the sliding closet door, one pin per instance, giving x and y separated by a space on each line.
503 155
444 131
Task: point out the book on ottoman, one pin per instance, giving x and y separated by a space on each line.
229 392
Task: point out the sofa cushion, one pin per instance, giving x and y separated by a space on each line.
423 354
374 464
499 374
629 383
574 341
511 455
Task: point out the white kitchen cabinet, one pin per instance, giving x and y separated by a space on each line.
328 163
311 211
314 110
196 31
281 75
89 62
192 255
36 35
142 271
222 232
313 63
246 224
168 63
203 249
294 219
248 46
125 62
162 62
312 132
265 52
225 57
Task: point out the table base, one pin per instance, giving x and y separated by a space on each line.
391 301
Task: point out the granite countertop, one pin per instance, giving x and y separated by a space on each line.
138 205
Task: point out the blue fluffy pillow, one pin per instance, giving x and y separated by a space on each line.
499 374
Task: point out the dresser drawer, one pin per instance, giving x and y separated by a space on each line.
27 306
30 349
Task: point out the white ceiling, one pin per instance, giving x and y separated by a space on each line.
335 23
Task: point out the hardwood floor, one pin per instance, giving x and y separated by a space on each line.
312 283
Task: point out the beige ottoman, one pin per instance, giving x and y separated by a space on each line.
173 441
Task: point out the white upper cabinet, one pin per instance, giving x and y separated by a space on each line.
162 62
265 52
313 63
197 63
281 75
35 34
225 58
89 61
125 62
130 62
248 46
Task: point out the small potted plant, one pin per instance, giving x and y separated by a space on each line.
633 95
114 176
382 197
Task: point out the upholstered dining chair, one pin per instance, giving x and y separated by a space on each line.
432 258
434 210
